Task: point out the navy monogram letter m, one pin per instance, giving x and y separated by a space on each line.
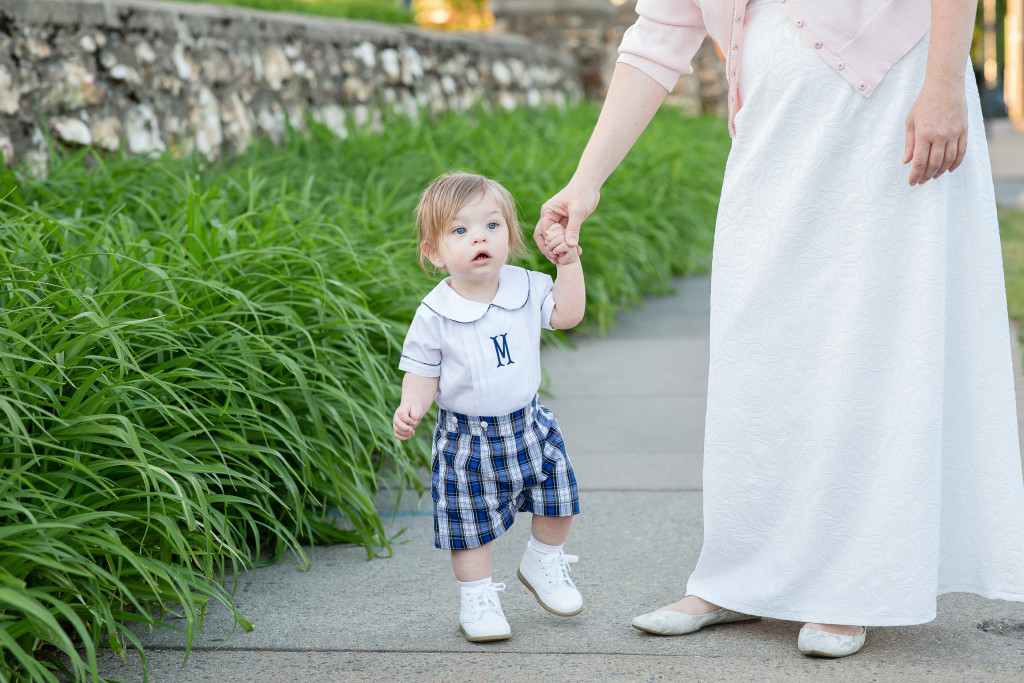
502 350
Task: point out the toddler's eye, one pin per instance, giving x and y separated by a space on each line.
459 231
492 226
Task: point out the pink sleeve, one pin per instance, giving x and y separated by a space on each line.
664 39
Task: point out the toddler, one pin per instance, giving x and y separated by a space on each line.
473 346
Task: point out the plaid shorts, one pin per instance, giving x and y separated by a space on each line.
486 468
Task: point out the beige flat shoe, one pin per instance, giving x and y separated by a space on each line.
665 622
815 643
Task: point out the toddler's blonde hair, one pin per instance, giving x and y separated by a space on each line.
446 196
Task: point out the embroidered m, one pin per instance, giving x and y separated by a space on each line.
501 349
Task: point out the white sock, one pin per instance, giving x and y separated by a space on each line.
539 547
474 584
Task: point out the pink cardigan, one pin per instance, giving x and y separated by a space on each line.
860 39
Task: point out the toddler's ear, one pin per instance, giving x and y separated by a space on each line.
432 255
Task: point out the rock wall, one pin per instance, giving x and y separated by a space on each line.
589 31
152 76
579 28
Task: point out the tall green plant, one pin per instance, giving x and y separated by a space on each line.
198 362
383 11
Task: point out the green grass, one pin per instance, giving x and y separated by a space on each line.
385 11
1011 234
198 361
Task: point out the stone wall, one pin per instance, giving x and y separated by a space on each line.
579 28
151 76
589 31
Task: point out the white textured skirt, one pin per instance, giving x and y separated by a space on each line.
861 449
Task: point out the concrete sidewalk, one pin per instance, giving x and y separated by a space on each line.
632 410
1006 150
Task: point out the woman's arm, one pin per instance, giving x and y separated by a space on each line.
937 123
632 99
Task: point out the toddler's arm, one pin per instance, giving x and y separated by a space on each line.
417 396
569 292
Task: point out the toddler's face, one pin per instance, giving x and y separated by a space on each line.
476 244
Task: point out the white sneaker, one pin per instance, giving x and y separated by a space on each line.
481 618
547 577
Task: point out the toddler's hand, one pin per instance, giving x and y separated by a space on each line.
554 238
406 421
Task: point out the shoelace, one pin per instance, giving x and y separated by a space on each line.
485 598
556 567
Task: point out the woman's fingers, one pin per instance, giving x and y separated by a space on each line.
550 214
936 155
538 237
932 158
919 165
908 148
567 209
929 152
936 132
961 152
948 157
577 214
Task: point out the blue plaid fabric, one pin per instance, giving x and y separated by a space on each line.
484 469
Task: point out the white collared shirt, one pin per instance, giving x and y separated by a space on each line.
486 355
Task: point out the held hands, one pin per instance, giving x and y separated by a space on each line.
566 210
936 132
407 418
554 240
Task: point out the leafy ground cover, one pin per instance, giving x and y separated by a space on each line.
385 11
198 361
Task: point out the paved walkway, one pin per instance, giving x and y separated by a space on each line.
1006 148
638 537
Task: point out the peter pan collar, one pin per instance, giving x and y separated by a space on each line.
513 293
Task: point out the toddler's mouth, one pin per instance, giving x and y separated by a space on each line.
482 256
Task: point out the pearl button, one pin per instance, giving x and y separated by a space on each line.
483 423
739 19
817 46
800 22
862 87
734 72
736 46
840 66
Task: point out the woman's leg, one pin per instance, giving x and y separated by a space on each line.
691 604
836 628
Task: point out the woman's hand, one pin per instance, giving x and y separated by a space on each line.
569 208
936 131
